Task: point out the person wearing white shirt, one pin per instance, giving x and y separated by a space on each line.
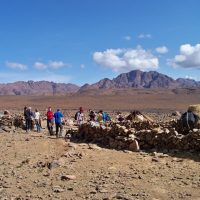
80 116
37 120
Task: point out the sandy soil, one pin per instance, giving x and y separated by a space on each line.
35 166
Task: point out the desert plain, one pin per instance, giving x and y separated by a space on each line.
37 166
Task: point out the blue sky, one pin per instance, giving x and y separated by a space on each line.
82 41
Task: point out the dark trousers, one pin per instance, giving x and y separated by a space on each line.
28 124
58 126
50 126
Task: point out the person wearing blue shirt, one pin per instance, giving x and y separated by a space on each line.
58 121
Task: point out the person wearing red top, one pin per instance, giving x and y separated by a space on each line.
50 121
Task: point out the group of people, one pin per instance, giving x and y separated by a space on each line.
100 116
57 119
32 118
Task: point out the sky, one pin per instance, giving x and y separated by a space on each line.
83 41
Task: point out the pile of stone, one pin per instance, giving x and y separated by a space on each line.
139 135
137 116
18 121
6 122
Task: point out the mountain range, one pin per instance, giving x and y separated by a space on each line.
141 80
132 79
37 88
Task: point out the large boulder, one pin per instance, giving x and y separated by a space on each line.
196 110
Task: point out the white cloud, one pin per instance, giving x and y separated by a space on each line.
82 66
14 65
40 66
189 57
50 64
144 36
127 37
162 50
122 60
191 77
57 64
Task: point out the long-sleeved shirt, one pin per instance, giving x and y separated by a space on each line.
28 114
58 117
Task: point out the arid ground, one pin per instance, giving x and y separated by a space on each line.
144 100
36 166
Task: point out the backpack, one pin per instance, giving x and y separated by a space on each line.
106 117
188 120
76 115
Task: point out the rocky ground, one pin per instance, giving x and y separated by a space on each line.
36 166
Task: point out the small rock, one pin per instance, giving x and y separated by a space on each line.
103 191
134 146
93 192
71 145
155 159
163 155
67 177
94 146
46 174
58 189
53 164
177 160
120 196
26 161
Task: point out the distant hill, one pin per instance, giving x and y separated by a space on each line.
132 80
37 88
139 79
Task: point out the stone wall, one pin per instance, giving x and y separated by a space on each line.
139 135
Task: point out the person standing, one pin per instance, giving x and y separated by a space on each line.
50 121
37 120
92 115
25 108
100 116
58 121
80 116
28 114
